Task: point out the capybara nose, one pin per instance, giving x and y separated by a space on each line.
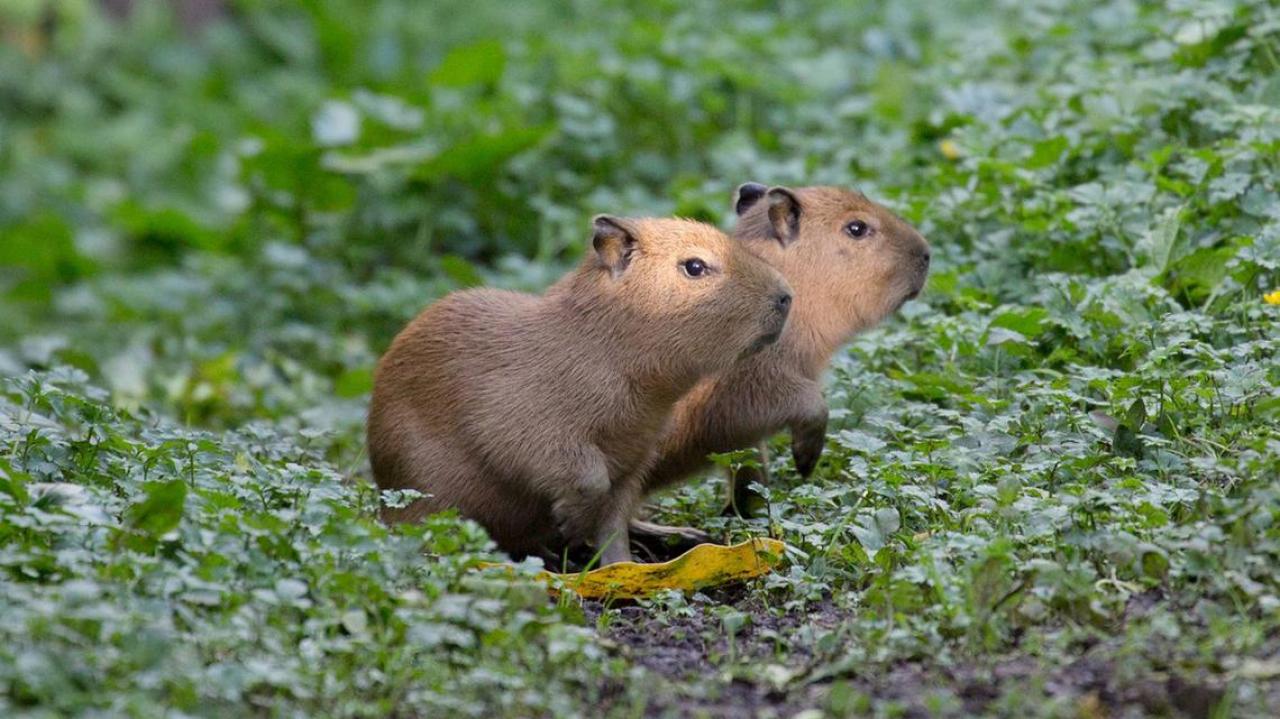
783 302
922 260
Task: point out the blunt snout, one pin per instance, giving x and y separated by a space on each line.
776 320
922 260
920 255
773 295
923 253
779 297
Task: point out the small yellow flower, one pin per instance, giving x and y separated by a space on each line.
1273 298
950 149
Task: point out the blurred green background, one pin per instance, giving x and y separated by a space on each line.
199 195
253 183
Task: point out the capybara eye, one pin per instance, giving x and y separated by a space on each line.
694 267
857 228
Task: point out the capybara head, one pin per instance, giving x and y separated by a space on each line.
698 297
851 261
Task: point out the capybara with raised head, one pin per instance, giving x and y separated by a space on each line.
537 416
852 263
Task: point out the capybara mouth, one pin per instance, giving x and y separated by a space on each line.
761 342
774 325
915 291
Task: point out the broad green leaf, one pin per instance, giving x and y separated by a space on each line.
161 511
1159 247
1028 321
480 63
480 156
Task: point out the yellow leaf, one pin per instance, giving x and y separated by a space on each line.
950 149
1273 298
706 565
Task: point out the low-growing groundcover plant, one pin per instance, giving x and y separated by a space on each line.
1051 486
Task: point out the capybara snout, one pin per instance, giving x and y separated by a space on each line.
771 297
778 317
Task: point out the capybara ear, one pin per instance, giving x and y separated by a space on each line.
747 194
614 242
784 215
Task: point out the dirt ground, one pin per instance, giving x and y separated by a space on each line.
686 650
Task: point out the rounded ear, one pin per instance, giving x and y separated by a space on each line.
784 215
614 242
747 194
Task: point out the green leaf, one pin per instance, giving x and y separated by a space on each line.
888 520
481 155
999 336
14 483
734 622
873 531
1155 561
460 271
1158 247
1126 442
480 63
355 382
1008 489
1136 416
355 621
1199 273
38 255
1047 152
859 441
989 582
1027 321
161 511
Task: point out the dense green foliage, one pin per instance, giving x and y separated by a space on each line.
1051 487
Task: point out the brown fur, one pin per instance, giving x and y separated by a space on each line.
537 415
843 286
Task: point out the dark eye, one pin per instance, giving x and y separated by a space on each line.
857 228
694 267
